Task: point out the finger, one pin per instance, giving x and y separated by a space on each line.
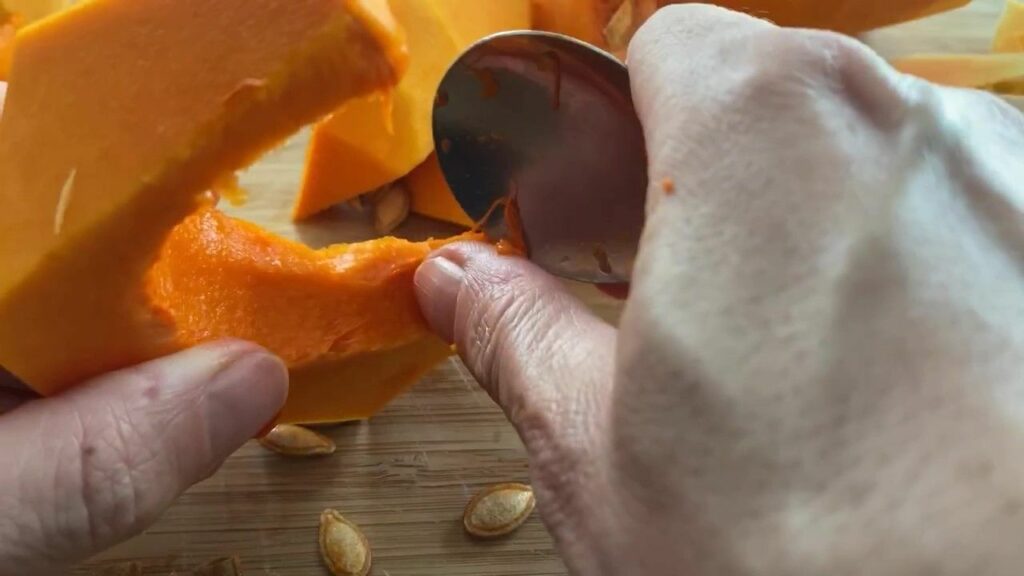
92 467
531 344
544 358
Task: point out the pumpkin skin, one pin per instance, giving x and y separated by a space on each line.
111 252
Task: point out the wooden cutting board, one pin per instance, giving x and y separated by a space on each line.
406 475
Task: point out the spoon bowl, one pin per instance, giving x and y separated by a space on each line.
547 123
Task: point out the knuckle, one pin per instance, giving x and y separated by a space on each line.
691 16
688 30
815 76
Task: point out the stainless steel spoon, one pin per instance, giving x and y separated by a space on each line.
549 122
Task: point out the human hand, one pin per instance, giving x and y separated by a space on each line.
819 367
90 468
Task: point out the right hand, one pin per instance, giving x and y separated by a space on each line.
819 366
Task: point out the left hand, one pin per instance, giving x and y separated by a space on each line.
94 466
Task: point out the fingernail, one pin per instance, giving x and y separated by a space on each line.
438 282
243 397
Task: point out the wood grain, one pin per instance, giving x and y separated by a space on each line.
406 475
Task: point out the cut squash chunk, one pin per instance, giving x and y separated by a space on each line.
110 250
371 142
431 195
345 318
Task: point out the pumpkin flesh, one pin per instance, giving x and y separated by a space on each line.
371 142
110 250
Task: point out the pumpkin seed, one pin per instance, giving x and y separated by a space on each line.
498 510
296 441
221 567
344 547
391 206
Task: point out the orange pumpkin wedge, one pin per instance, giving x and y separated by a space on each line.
332 314
372 141
110 251
431 195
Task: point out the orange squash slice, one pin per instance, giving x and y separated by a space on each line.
110 250
431 195
373 141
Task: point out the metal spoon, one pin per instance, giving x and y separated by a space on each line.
549 122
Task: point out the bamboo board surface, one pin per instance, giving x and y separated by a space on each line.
406 475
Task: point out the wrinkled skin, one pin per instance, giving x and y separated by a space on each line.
90 468
819 369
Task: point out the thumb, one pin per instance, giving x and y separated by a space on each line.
536 349
94 466
544 358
